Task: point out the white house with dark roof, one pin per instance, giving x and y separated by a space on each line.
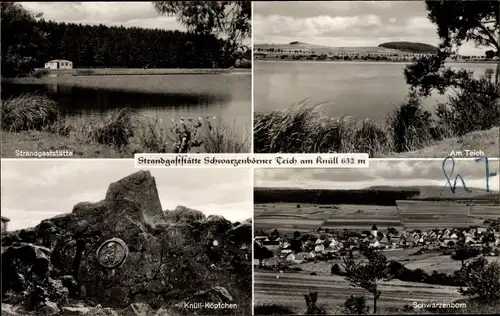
59 64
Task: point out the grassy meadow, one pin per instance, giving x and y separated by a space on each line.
32 122
285 296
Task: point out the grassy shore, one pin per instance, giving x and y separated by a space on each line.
32 122
39 72
488 141
465 122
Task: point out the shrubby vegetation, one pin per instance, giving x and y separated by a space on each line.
482 280
123 130
355 305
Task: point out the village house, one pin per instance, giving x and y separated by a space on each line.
329 247
271 263
319 248
59 64
5 221
295 258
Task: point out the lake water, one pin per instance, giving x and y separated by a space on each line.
358 89
165 96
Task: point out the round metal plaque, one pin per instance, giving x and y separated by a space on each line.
112 253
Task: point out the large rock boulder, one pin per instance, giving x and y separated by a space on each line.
141 188
26 278
241 234
215 226
165 263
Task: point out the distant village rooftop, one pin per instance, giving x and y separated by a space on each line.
58 60
5 219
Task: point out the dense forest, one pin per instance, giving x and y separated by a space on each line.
410 47
103 46
314 196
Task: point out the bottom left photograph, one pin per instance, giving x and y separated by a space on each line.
99 237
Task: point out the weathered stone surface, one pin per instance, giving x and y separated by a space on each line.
8 310
138 309
22 262
69 282
50 308
184 214
141 188
241 234
217 294
76 311
166 264
215 226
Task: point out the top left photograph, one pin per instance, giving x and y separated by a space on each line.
112 79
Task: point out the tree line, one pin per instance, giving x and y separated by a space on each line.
103 46
313 196
29 41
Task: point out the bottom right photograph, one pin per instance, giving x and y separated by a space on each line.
419 237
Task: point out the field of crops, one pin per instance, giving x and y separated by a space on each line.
333 290
286 225
288 217
431 214
408 215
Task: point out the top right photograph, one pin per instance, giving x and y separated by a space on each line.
395 79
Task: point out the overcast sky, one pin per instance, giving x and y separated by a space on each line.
38 189
128 14
346 23
385 173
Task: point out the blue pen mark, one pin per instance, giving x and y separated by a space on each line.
453 187
488 173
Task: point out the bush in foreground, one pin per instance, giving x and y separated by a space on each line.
355 305
304 129
483 280
28 112
409 126
476 107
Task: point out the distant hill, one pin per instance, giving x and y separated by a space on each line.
319 49
410 47
389 47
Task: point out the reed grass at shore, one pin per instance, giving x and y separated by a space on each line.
31 121
303 128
